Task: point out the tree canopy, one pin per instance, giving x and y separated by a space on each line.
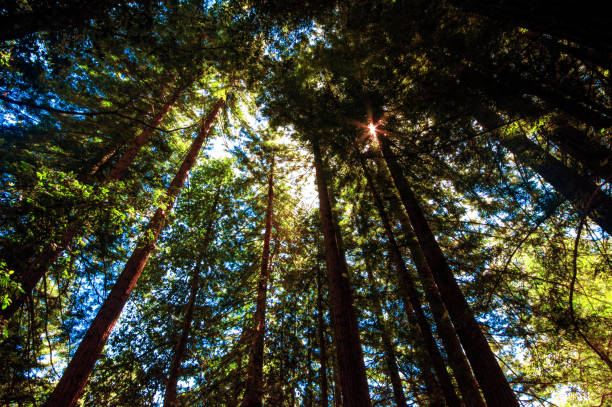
278 203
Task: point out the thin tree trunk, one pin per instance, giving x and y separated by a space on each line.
308 394
254 387
348 344
490 376
30 277
413 306
181 345
73 381
388 347
322 343
584 194
457 360
128 157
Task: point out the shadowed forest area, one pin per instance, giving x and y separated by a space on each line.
250 203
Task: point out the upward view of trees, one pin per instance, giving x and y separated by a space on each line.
276 203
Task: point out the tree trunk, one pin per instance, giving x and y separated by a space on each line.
128 157
337 384
181 344
595 158
584 194
492 381
308 394
254 386
29 278
348 343
456 357
412 303
322 343
388 347
73 381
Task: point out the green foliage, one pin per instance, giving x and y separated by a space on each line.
74 97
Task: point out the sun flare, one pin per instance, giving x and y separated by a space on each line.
372 129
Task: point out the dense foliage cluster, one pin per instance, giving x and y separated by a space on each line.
373 203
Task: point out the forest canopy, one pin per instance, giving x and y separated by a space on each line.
279 203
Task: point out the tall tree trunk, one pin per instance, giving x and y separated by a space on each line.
492 381
29 278
413 306
337 384
75 376
348 344
457 360
254 386
388 347
584 194
181 344
322 343
595 158
128 157
308 394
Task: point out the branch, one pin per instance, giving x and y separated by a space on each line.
599 353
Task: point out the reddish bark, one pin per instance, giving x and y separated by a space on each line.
181 344
492 381
30 277
346 330
254 386
456 357
75 376
102 161
128 157
412 302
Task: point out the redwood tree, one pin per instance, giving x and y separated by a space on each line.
349 354
254 384
73 381
490 376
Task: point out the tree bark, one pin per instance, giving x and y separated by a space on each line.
456 357
73 381
254 385
492 381
414 309
346 330
593 157
181 344
322 343
128 157
583 193
29 278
